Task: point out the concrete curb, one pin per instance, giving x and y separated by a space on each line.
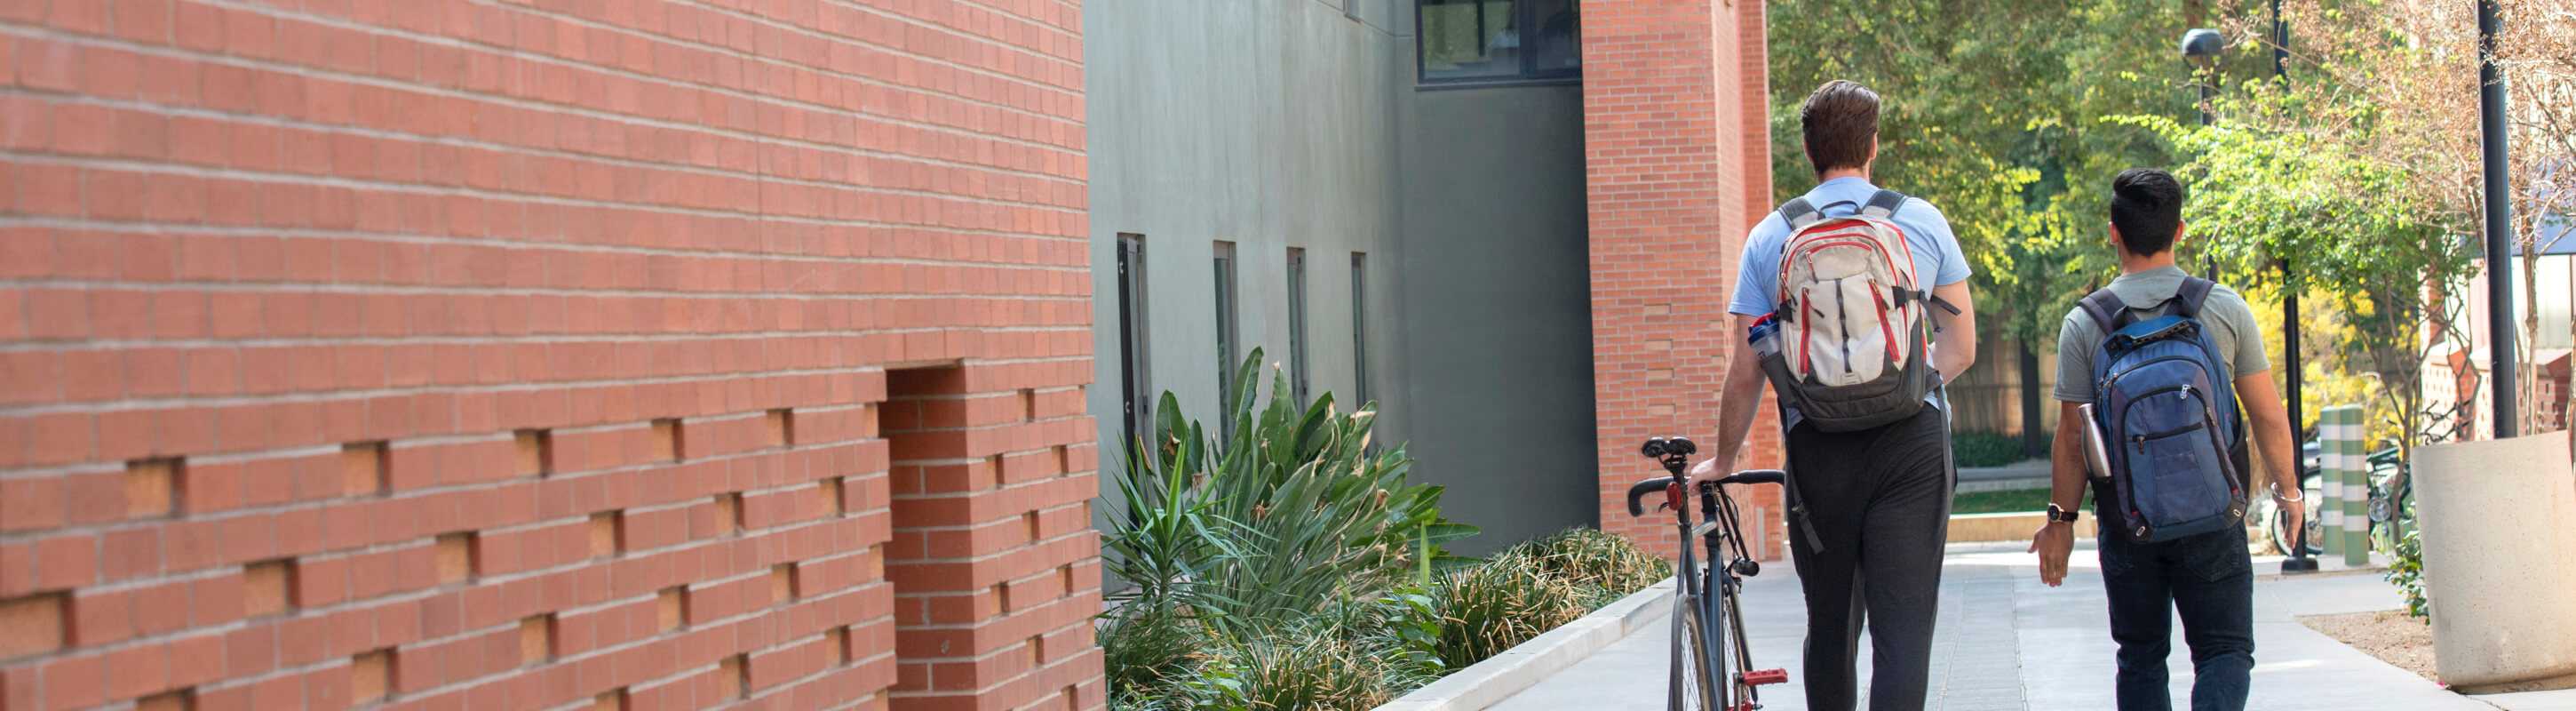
1489 682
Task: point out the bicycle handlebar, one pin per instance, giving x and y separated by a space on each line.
1637 492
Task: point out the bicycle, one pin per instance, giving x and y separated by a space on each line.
2391 504
1707 626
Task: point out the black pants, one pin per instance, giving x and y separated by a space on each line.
1879 501
2209 580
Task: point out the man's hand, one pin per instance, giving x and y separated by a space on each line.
2297 512
2054 541
1710 468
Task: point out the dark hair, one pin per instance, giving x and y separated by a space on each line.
1840 120
2146 206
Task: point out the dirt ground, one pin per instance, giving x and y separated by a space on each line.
2390 635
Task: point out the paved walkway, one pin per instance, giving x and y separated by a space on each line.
2008 642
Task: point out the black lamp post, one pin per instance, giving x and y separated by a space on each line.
2499 227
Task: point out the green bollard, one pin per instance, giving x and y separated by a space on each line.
2347 487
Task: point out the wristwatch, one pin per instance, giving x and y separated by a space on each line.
2060 515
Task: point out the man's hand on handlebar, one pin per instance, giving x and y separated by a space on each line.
1710 469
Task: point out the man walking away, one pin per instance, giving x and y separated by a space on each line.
2151 371
1866 272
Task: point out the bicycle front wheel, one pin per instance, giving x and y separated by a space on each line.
1694 688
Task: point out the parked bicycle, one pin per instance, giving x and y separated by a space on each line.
2391 506
1708 622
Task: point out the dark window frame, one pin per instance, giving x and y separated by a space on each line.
1524 14
1297 370
1229 330
1136 401
1359 329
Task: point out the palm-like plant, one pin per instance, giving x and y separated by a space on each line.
1292 512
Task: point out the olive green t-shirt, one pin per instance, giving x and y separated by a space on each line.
2229 321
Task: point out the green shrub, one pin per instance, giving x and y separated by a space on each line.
1151 650
1265 528
2406 571
1988 449
1502 602
1602 566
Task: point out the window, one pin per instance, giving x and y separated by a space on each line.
1359 327
1297 324
1498 40
1138 400
1227 342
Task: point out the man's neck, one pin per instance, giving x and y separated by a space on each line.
1840 173
2132 264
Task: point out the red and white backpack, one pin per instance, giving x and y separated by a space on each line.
1854 338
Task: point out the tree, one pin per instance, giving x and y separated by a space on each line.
2392 82
1992 110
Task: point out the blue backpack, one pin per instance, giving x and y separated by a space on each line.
2165 404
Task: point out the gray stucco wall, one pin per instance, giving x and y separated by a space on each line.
1285 123
1497 299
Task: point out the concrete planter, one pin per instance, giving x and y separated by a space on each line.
2499 530
1488 682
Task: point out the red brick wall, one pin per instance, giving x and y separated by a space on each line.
1676 147
463 354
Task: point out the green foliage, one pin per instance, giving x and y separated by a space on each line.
1992 111
1152 650
1267 527
1985 449
1503 602
2406 571
1600 566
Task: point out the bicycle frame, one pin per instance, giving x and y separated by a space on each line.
1711 589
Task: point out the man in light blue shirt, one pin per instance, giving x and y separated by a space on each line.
1873 504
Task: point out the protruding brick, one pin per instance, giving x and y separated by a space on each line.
611 700
733 677
670 607
455 552
371 675
729 510
607 533
778 428
782 583
829 490
268 587
533 453
362 469
31 625
150 487
669 443
536 639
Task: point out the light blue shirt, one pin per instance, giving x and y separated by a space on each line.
1757 277
1936 251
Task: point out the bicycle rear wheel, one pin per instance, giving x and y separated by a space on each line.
1693 688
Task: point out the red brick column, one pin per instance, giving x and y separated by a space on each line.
458 354
1676 147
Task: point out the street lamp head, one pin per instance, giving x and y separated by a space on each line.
2202 44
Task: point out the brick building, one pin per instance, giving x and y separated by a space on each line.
455 354
633 354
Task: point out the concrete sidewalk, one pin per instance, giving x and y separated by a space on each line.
2008 642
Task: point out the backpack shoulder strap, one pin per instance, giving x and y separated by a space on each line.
2194 293
1883 204
1799 214
2106 309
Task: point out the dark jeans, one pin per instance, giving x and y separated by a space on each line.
2209 579
1880 502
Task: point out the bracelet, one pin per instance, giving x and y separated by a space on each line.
2276 494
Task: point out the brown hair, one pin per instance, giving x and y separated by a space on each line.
1840 121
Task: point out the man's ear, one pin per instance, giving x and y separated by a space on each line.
2181 229
2118 246
1873 152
